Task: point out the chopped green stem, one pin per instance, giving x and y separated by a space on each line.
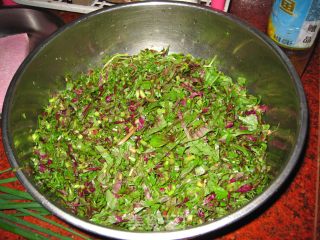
15 205
36 215
38 228
8 180
7 200
4 196
15 192
6 170
26 215
12 227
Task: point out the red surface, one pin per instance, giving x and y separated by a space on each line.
295 214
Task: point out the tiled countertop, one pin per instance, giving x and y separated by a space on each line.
294 214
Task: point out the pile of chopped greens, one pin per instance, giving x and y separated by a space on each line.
152 142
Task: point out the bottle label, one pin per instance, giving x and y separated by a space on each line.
294 23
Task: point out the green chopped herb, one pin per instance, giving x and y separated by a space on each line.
151 142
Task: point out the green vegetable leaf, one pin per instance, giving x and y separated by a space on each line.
111 200
251 121
105 154
158 140
211 76
220 192
200 148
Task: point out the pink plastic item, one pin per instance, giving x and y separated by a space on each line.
13 50
218 4
8 3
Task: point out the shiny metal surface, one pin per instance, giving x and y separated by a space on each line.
188 28
38 24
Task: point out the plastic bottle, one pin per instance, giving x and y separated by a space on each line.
294 25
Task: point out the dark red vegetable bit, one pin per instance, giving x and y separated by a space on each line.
116 195
74 164
64 193
132 119
186 199
196 94
164 213
117 186
78 91
183 102
251 138
159 175
132 106
186 86
250 112
43 156
171 138
49 162
57 115
196 80
100 84
232 180
186 212
42 167
178 220
63 112
75 204
37 152
147 193
201 213
119 218
92 188
241 127
74 100
229 107
109 98
145 159
94 168
229 125
119 122
159 165
81 193
263 108
141 122
101 89
127 129
245 188
86 109
209 198
205 110
94 131
194 65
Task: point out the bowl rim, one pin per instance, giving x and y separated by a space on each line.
211 227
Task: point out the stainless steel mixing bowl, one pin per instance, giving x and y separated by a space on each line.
188 28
